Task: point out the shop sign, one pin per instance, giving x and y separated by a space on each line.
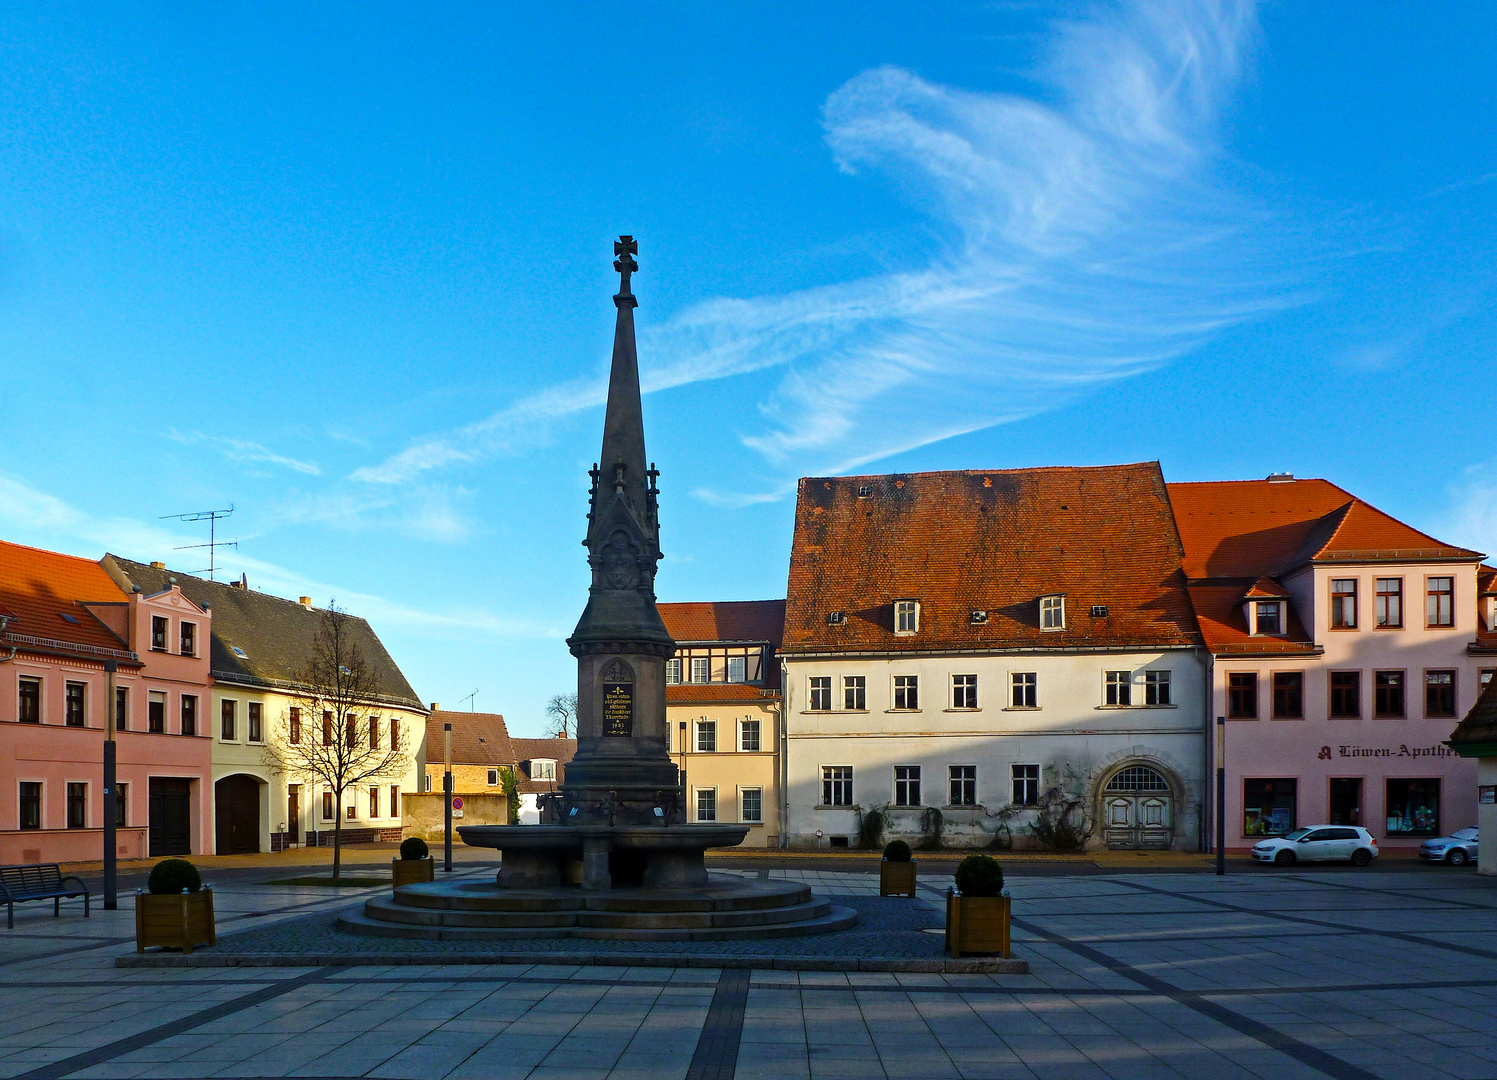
1402 750
1487 793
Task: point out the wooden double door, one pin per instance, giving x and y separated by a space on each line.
1138 810
169 813
236 812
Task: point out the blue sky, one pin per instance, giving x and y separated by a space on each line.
348 269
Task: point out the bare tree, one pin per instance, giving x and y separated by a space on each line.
331 734
563 712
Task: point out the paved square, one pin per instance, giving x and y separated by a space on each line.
1265 974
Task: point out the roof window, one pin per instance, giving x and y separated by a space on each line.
1053 612
906 617
69 618
1099 611
865 491
237 651
979 617
836 618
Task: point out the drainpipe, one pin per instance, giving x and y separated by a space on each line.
1208 753
784 758
4 622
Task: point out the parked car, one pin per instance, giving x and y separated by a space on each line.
1319 843
1457 849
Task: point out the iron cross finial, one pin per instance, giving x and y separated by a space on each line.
625 247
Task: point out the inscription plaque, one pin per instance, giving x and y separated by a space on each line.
618 709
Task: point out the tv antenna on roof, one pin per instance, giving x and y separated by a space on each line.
469 700
213 544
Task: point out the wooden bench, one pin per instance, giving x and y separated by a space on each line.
38 881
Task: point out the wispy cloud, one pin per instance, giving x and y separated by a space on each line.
243 451
1085 239
1472 520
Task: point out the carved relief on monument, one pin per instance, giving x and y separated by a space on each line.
620 562
618 700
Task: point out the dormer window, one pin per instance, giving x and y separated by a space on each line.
979 617
1268 616
673 671
1053 612
543 769
865 491
906 617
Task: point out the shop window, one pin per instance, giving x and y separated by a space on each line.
751 806
156 712
706 736
1389 602
1026 785
1119 688
1242 695
77 806
73 704
964 691
1344 603
748 736
1440 601
907 691
1025 685
31 805
821 693
189 714
1157 688
855 692
1288 695
706 804
907 785
1387 693
963 785
1413 807
1439 694
29 701
1346 694
1268 807
836 785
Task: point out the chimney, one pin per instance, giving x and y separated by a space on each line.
1281 478
158 566
305 601
436 706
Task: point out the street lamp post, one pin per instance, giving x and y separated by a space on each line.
111 901
447 796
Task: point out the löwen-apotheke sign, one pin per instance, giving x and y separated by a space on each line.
1402 750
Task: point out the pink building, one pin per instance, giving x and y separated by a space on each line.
1345 646
61 621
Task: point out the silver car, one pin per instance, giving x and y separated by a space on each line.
1457 849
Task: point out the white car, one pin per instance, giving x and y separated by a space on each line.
1457 849
1319 843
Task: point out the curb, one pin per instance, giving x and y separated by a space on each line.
965 966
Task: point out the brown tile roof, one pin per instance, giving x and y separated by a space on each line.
1252 528
527 750
689 693
726 620
1218 608
994 541
478 738
42 593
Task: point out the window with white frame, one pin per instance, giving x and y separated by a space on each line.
1025 686
706 736
751 805
1026 785
737 669
673 670
836 785
1053 612
854 692
493 778
748 736
707 804
963 785
821 693
907 691
701 669
907 785
964 691
906 616
1119 688
373 802
543 769
1157 688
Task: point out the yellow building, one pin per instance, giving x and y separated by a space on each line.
723 707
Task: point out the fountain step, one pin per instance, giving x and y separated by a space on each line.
833 918
382 909
721 893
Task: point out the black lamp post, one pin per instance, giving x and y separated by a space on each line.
111 901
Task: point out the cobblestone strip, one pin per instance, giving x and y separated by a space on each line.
110 1051
1287 1045
716 1056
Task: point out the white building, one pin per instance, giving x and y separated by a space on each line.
963 648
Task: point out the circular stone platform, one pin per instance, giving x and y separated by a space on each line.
725 908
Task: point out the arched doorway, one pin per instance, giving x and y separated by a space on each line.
236 811
1137 809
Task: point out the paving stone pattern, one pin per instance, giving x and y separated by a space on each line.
1387 974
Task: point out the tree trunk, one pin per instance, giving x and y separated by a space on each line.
337 833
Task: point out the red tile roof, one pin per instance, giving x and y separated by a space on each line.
726 620
694 693
477 738
1266 588
1218 608
1251 528
43 593
994 541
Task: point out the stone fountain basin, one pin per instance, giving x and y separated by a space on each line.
655 856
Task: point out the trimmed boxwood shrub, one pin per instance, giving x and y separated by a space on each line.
413 847
897 851
171 876
979 875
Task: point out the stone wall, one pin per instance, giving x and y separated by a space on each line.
422 814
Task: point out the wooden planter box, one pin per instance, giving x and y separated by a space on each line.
896 878
413 871
179 921
977 924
